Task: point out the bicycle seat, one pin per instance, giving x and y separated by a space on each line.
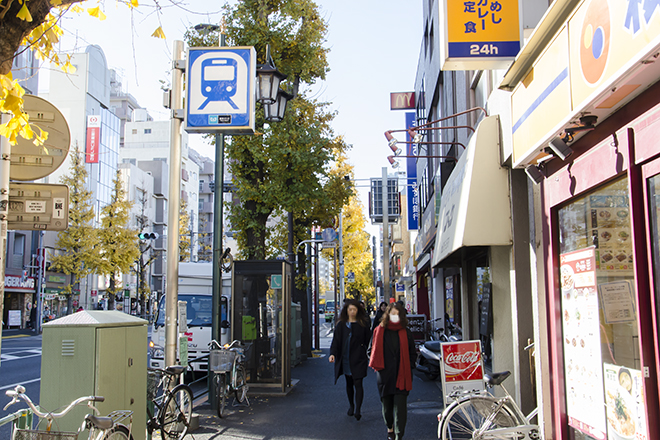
100 422
496 378
175 369
433 346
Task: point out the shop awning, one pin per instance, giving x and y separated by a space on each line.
475 206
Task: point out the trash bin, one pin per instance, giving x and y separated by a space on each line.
100 353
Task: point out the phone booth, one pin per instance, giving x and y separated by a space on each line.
261 319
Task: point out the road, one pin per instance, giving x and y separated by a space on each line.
20 365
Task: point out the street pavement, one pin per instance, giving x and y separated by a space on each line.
20 363
316 409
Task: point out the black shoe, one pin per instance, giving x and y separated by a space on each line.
350 411
391 436
358 416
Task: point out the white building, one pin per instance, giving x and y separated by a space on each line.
78 95
145 141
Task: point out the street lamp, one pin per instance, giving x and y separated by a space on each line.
268 81
275 112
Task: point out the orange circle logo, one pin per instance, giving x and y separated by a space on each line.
595 41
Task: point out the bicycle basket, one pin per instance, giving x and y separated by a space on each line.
153 382
221 361
30 434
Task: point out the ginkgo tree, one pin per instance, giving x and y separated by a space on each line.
34 25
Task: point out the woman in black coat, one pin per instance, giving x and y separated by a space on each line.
379 315
349 352
393 357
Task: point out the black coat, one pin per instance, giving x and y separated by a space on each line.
377 318
357 356
386 378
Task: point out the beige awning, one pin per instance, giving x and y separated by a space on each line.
475 205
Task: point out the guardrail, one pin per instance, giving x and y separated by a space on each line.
204 378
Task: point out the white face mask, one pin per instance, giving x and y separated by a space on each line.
395 319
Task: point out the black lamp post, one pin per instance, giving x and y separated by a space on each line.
268 81
275 112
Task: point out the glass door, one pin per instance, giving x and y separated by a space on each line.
602 371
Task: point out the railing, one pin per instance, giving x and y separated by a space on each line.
204 378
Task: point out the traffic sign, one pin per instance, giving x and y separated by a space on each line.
220 90
329 234
38 207
350 277
32 162
329 245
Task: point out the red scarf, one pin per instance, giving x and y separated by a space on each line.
377 361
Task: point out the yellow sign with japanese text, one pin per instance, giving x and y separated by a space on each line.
480 34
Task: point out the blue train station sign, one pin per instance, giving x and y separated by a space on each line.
220 90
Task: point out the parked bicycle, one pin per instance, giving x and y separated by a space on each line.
116 426
482 416
228 365
172 405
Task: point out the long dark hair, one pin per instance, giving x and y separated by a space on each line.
402 315
362 317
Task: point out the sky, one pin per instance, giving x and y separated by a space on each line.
374 48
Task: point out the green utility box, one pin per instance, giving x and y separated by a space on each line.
95 353
296 334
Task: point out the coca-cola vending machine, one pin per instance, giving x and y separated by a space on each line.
462 368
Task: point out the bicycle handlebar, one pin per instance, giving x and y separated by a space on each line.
18 393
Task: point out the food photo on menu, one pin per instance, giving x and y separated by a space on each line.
624 397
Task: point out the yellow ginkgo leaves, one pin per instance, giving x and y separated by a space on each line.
159 33
24 13
96 12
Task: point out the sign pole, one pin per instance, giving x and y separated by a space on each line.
172 294
342 291
386 240
218 203
5 156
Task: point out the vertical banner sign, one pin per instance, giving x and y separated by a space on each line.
93 138
462 368
411 171
480 34
583 364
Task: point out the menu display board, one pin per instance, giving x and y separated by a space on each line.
624 399
582 348
417 326
610 230
462 368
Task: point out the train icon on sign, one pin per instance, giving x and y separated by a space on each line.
219 81
220 89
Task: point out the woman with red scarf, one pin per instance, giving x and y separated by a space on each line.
393 357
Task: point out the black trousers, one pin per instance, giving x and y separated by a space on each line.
351 384
395 413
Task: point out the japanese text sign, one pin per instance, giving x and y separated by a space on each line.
411 171
93 135
480 34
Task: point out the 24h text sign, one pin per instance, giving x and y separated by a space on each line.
462 367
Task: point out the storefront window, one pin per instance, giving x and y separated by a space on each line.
654 210
599 317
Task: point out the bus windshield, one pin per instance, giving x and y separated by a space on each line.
198 310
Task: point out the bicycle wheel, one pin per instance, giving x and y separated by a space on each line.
221 391
118 432
176 413
470 414
241 385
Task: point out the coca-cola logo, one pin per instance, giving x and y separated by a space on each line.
468 357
